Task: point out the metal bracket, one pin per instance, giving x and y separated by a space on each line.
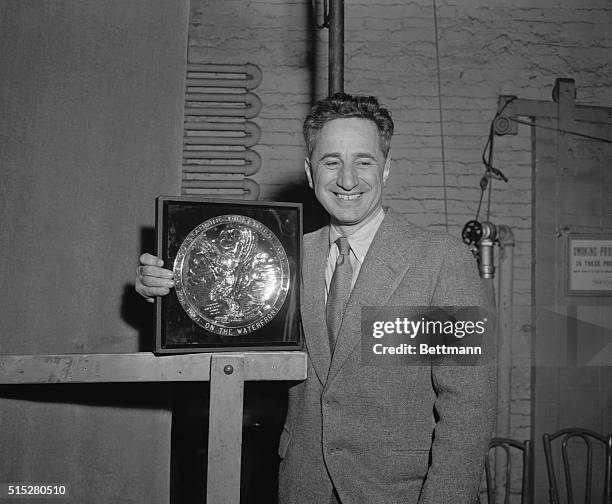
504 125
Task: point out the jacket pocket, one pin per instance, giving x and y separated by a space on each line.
283 443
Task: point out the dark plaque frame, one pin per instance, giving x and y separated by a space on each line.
176 331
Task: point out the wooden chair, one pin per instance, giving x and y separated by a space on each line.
506 445
589 438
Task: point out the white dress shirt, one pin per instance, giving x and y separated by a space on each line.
359 241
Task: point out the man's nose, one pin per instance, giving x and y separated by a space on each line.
347 178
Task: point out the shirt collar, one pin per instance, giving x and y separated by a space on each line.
361 239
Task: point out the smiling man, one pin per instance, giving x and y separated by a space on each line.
359 434
347 167
367 434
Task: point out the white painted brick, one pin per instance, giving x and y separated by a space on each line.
486 48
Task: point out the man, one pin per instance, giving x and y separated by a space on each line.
368 434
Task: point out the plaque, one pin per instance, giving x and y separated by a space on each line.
236 273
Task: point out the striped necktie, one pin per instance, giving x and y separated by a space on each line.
339 290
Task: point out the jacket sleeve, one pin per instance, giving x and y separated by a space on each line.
465 405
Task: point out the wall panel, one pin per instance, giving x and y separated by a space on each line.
91 96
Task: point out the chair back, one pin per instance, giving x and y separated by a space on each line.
507 447
590 440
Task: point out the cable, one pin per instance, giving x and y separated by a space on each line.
575 133
489 164
435 16
487 159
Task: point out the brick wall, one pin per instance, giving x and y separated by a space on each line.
480 50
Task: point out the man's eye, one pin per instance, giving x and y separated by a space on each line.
364 162
332 163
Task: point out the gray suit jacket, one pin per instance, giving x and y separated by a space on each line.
385 435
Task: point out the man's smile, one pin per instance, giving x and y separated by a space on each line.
348 197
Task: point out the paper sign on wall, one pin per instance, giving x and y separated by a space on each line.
590 266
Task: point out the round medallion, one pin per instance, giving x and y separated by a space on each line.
231 275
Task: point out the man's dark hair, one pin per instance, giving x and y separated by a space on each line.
344 106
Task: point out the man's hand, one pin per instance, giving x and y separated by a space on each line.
151 279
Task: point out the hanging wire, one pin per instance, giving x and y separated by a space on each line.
435 16
487 159
486 182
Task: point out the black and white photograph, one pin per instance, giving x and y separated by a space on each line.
306 251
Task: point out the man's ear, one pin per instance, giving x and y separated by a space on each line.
386 169
308 170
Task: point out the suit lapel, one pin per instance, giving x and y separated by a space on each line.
313 301
389 257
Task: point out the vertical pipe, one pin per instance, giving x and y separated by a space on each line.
336 47
504 346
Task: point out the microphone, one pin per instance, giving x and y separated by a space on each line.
481 238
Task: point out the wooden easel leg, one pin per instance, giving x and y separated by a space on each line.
225 428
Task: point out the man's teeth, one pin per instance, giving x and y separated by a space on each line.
347 197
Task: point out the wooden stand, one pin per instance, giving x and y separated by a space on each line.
227 373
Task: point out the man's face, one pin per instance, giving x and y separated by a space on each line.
348 170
